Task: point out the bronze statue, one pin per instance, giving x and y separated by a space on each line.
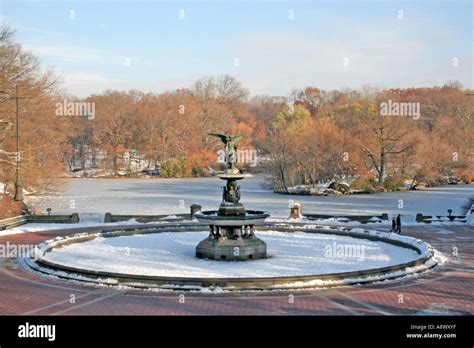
231 192
230 142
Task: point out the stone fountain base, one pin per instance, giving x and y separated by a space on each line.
240 249
231 237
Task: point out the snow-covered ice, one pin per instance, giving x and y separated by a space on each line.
174 196
173 254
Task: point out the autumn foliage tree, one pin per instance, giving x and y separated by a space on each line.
41 132
308 139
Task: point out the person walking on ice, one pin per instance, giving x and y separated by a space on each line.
394 226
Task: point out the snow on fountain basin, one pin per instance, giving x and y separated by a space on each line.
172 254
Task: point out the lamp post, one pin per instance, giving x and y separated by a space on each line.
18 186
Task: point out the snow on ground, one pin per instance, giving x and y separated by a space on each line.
173 196
38 227
438 309
443 232
470 219
173 254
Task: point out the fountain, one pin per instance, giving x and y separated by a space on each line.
303 255
231 228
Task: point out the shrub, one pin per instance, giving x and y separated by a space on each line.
168 169
393 185
198 171
364 184
176 169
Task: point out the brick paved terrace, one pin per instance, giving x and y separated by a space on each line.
447 289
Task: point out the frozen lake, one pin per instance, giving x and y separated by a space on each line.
174 196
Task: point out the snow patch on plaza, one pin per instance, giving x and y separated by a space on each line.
172 254
39 227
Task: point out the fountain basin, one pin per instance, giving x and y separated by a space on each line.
229 176
163 257
251 217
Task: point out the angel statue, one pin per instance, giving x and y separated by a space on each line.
230 142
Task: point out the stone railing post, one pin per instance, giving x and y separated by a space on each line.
108 217
194 209
419 217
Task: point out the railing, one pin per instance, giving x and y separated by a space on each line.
109 217
58 219
13 222
440 218
146 218
363 219
366 219
24 219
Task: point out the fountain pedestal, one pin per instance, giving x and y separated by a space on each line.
220 247
231 228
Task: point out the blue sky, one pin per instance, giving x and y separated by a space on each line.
329 44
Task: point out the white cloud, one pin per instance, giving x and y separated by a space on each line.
270 63
83 78
24 28
85 84
275 63
69 53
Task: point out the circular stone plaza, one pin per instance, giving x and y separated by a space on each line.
234 261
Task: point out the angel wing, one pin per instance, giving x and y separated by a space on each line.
220 136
